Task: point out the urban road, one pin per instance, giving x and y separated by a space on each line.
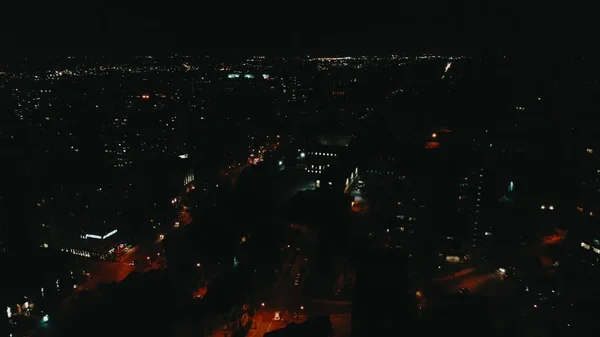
285 297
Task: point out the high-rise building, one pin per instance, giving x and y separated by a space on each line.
471 191
584 229
117 144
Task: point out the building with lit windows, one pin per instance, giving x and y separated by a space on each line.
32 292
147 127
584 233
158 128
469 208
327 152
99 244
117 144
319 160
337 178
329 162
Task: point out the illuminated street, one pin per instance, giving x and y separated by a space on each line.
286 298
233 171
109 272
455 275
264 322
475 282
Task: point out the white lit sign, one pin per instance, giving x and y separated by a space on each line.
98 237
109 234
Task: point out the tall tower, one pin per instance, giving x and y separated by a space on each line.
470 200
117 147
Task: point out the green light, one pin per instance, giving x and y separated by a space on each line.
233 75
248 76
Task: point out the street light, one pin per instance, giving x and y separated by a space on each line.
262 304
301 307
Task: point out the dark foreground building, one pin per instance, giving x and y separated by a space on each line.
384 301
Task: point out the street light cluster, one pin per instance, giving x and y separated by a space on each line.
551 208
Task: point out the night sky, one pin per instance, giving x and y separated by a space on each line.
347 26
